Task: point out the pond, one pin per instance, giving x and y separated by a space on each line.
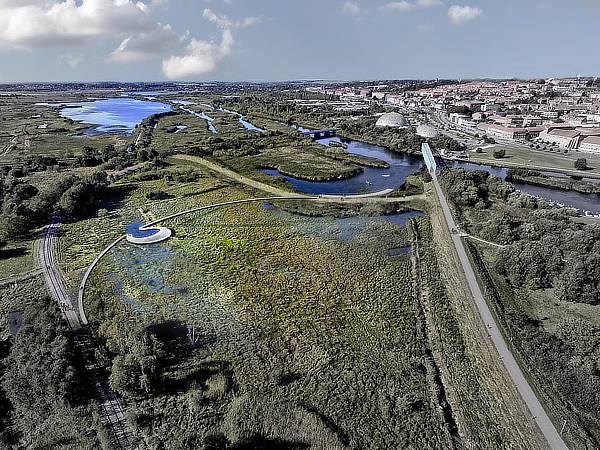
113 115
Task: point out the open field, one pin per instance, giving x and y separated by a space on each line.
519 157
17 257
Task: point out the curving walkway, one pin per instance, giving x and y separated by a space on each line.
88 272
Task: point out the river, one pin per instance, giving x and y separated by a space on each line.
121 115
402 165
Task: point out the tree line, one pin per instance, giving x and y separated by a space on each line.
544 247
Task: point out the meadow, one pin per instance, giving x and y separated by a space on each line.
251 327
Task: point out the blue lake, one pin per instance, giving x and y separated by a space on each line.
115 115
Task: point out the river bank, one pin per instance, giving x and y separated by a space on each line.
537 178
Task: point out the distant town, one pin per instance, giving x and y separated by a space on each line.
550 114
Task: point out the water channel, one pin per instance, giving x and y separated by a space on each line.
402 165
123 114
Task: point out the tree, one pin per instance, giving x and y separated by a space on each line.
581 164
580 281
499 153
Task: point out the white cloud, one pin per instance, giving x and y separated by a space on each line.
48 23
404 5
461 14
248 21
201 57
352 9
399 6
71 60
36 24
160 41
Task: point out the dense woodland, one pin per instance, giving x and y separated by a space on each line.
43 402
25 206
545 247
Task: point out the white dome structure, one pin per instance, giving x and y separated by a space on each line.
392 120
427 131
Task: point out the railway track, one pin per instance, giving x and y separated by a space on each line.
111 412
53 278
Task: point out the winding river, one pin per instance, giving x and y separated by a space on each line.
402 165
123 114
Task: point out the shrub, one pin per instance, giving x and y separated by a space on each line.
499 153
581 164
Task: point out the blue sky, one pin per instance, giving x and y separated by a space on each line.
129 40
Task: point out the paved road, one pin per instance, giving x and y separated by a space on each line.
535 407
53 277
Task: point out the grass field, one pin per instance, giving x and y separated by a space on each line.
518 157
17 257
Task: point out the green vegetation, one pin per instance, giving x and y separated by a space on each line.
539 179
581 164
545 286
525 158
251 326
43 402
24 206
499 153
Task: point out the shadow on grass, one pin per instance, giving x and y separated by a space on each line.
8 253
255 443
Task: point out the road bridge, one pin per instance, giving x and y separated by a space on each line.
318 134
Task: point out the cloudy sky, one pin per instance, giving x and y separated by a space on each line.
130 40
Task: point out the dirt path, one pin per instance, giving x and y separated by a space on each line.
21 277
234 176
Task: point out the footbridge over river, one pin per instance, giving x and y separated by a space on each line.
428 157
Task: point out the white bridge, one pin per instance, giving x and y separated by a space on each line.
428 157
